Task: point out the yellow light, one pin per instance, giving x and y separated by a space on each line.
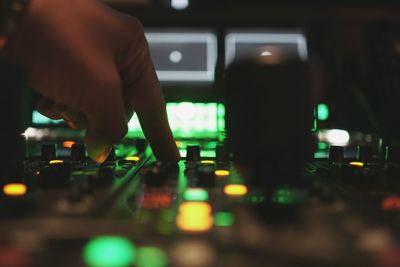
68 144
193 208
133 158
357 164
195 217
194 224
222 173
15 190
235 190
56 161
207 162
179 144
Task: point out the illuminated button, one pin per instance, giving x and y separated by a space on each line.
195 194
109 251
56 161
224 219
68 144
3 41
14 190
357 164
133 158
151 257
222 173
194 217
207 162
391 203
235 190
156 200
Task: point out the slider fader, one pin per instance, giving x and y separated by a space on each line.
132 210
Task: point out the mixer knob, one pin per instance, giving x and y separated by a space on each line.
48 152
221 154
157 174
392 154
205 175
364 153
336 154
57 174
78 152
193 153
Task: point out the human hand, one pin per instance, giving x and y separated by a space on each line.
93 68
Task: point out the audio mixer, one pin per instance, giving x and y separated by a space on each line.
132 210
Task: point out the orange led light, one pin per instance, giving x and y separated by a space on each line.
391 203
56 161
357 164
68 144
235 190
133 158
3 41
14 190
156 200
207 162
222 173
195 217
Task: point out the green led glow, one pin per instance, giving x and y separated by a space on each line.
38 118
190 120
323 112
322 146
224 219
283 196
109 251
195 194
151 257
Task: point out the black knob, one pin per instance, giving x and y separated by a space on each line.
158 173
193 153
48 152
205 175
141 145
365 153
221 154
336 154
392 154
78 152
54 175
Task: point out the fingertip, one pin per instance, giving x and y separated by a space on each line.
97 149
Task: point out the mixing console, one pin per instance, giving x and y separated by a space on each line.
204 211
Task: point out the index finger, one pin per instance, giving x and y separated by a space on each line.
143 94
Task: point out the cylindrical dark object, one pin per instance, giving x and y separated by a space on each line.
78 152
15 109
221 154
336 154
365 153
193 153
48 152
269 115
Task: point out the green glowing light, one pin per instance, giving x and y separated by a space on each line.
109 251
190 120
322 146
151 257
323 112
283 196
224 219
195 194
38 118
